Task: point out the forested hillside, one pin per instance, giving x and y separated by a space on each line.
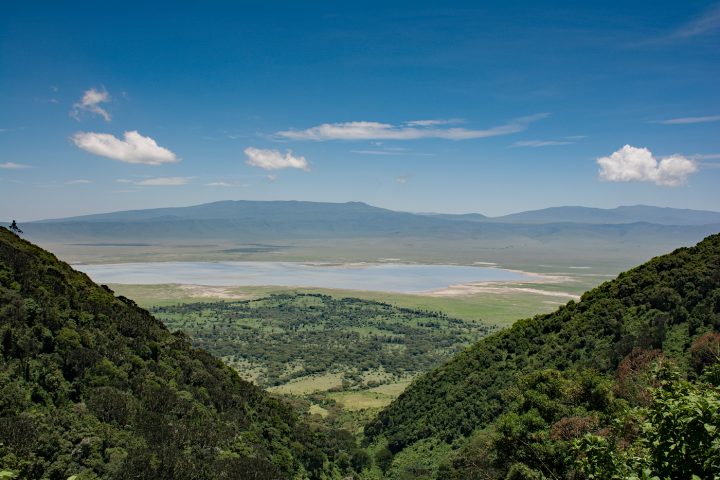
515 402
93 386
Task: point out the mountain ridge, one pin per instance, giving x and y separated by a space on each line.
228 209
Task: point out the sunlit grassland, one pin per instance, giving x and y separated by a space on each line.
491 307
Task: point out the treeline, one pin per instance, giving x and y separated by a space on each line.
286 336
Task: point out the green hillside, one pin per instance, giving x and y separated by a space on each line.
495 405
93 386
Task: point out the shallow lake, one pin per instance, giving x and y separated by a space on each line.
402 278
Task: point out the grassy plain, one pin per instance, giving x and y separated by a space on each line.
500 306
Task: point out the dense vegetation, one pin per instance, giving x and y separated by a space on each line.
288 336
93 386
516 404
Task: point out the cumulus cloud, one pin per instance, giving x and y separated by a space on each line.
13 166
274 159
90 102
163 181
631 164
407 131
135 148
689 120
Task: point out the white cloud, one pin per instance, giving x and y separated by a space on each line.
13 166
540 143
631 164
689 120
90 102
271 178
402 179
79 181
163 181
407 131
274 160
134 149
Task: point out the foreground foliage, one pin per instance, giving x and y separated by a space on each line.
678 436
93 386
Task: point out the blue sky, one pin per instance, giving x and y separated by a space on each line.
418 106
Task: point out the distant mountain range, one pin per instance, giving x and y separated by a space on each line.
618 215
294 211
247 220
553 233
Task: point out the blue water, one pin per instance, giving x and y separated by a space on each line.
402 278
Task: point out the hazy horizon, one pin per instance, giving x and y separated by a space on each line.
93 212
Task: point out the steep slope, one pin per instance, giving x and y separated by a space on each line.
662 304
92 385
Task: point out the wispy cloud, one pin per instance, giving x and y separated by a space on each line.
134 149
271 178
631 164
707 160
540 143
432 123
163 181
79 181
708 22
689 120
90 102
392 152
706 156
402 179
274 159
13 166
226 184
406 131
